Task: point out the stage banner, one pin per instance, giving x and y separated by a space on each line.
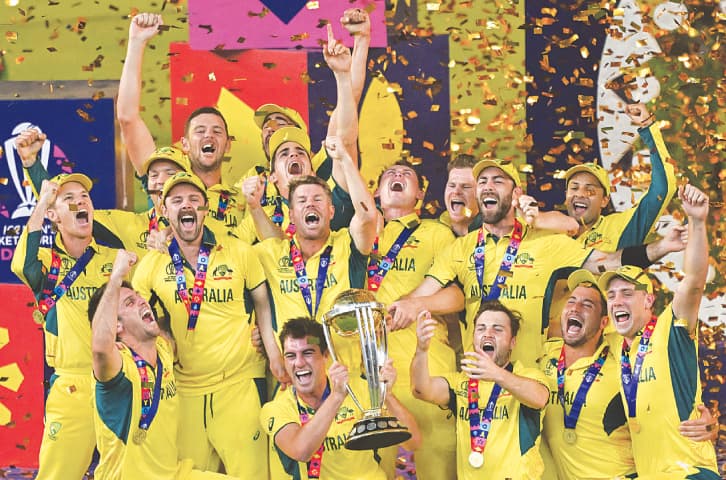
285 24
21 379
80 139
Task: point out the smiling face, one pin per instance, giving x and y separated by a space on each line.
399 188
305 365
585 198
135 318
496 192
460 195
206 142
272 123
184 208
72 211
493 334
629 308
291 161
311 210
583 317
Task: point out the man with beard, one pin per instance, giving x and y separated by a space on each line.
497 402
585 425
62 279
290 157
114 227
521 267
401 256
587 193
136 405
309 422
218 371
660 381
309 268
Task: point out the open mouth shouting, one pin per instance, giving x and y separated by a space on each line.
294 168
82 217
397 186
487 346
574 326
187 220
312 218
489 202
147 316
621 317
579 207
209 148
304 377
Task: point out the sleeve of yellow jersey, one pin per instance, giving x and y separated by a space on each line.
144 275
279 412
444 269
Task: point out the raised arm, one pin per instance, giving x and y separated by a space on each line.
423 385
264 322
253 189
365 219
555 221
428 296
104 326
528 391
134 132
345 126
687 298
299 442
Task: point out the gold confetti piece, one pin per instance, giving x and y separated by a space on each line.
546 187
3 181
19 60
312 5
428 145
182 101
299 37
72 207
584 52
412 114
472 120
212 77
11 36
433 6
434 108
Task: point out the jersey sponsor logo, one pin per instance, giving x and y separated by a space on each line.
412 242
143 237
512 292
291 286
53 429
525 260
106 268
66 264
593 238
213 295
222 272
170 272
345 414
81 293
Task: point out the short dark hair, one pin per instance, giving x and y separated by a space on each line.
515 318
301 327
96 298
404 163
202 111
462 160
308 180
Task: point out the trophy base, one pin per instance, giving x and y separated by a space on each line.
376 432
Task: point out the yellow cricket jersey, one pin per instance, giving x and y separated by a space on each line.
67 327
631 227
412 262
669 389
233 213
218 352
602 449
347 269
542 258
338 463
512 448
341 218
117 412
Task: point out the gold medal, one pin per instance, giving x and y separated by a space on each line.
139 436
634 425
38 317
476 459
570 436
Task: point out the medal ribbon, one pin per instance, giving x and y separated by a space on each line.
149 402
630 377
222 205
509 256
153 221
200 278
581 395
377 270
302 278
277 216
52 293
480 425
315 464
